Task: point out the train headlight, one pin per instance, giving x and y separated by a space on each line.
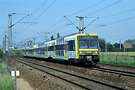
95 52
81 52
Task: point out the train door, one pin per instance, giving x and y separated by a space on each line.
65 51
71 49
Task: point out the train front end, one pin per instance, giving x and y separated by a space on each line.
87 48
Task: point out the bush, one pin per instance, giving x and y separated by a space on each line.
5 78
1 53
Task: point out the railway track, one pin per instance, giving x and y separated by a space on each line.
115 71
119 72
82 81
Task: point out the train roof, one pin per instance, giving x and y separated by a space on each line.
50 42
90 34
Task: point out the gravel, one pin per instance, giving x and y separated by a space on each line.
43 81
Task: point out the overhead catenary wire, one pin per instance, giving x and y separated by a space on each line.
55 24
92 22
19 20
105 7
114 22
51 27
118 13
41 7
87 8
80 11
121 20
71 22
33 13
45 10
44 3
36 10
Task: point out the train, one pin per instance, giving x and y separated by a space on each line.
74 48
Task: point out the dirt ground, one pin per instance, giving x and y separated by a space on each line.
22 84
39 80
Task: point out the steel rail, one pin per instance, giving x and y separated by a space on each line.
73 74
120 72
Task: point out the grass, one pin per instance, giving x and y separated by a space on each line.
5 78
122 60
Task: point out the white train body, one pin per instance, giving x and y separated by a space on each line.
76 48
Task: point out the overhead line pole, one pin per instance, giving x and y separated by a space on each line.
10 32
10 25
4 44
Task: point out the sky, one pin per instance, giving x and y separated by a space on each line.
113 20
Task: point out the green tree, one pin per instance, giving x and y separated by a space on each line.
117 47
58 35
1 53
102 44
52 38
109 47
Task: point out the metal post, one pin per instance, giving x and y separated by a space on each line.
10 41
46 34
124 49
13 74
4 48
106 46
9 31
34 41
4 44
120 45
10 25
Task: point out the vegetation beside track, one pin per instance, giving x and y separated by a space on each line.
5 78
118 58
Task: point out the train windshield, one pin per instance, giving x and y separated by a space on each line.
88 41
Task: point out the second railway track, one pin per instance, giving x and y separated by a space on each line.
120 72
74 78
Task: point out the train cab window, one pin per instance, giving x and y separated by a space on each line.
71 45
88 42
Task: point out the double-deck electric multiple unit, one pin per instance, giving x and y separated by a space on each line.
74 48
